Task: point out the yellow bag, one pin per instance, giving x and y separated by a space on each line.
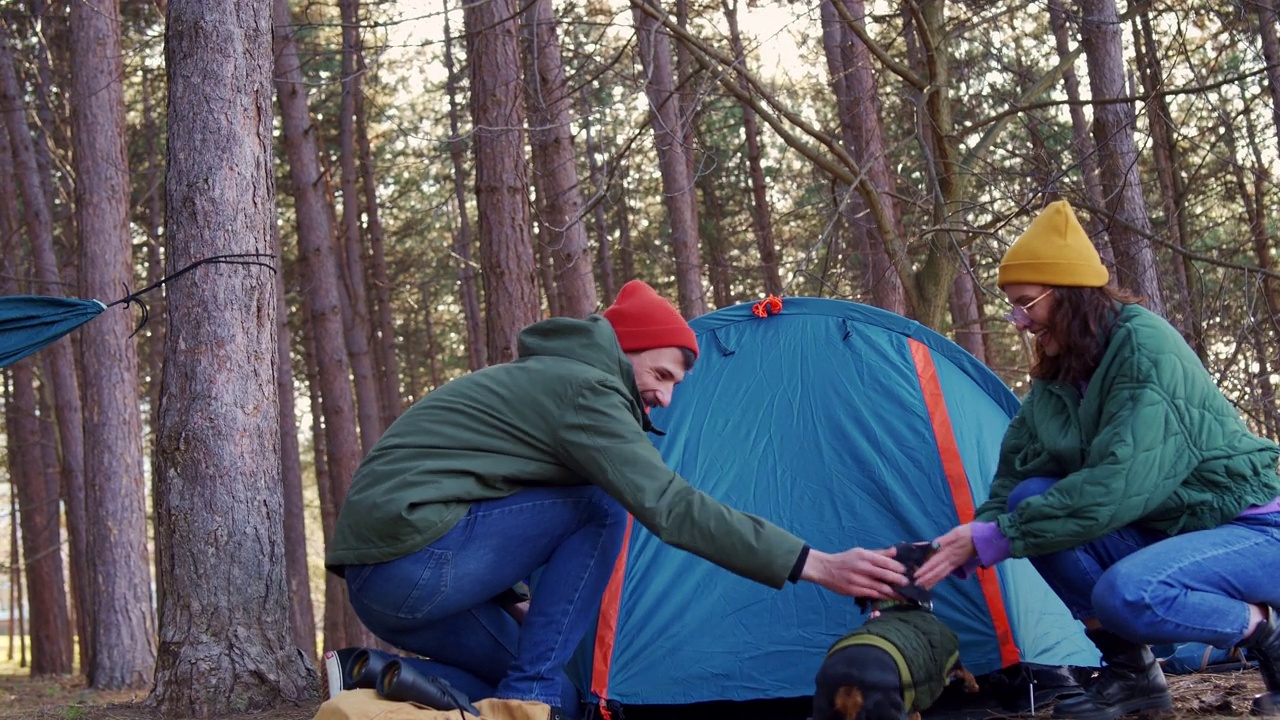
364 704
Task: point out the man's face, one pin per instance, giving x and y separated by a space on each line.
658 371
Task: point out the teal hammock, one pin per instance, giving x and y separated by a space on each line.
30 322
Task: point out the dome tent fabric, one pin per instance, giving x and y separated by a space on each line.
849 426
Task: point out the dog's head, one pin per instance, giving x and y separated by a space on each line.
912 556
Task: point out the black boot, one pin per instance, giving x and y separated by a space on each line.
1131 681
1263 645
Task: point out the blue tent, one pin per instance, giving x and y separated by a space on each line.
849 426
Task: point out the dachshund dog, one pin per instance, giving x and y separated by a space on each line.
897 663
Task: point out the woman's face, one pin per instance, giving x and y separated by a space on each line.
1033 307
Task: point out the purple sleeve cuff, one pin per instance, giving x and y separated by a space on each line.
992 546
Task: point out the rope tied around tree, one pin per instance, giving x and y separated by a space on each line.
135 298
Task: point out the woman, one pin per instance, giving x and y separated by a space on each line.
1128 479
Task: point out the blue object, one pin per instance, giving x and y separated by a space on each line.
30 322
849 426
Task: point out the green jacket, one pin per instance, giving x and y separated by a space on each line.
567 412
922 646
1152 442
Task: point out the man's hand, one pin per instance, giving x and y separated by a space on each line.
954 549
856 572
518 611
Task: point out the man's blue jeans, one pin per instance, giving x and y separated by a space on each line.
438 601
1153 588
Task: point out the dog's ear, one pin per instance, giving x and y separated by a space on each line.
848 702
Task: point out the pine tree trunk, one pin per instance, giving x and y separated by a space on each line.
502 187
468 286
302 617
1266 10
384 323
1168 161
718 270
356 323
320 280
861 109
604 258
124 627
761 213
225 639
968 329
563 232
626 253
1113 128
678 192
1082 144
64 378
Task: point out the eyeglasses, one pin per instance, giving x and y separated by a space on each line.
1018 315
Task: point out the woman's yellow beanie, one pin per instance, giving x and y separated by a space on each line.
1053 251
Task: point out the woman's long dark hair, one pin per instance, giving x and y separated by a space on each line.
1082 322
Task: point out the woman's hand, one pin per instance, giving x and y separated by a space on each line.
856 572
954 549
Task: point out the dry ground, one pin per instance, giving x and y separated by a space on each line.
1198 697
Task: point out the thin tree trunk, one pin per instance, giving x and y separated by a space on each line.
626 253
65 380
968 329
498 116
867 131
761 213
1173 191
302 618
563 232
604 258
322 287
546 272
384 323
124 627
15 551
1113 128
719 272
678 190
335 620
1266 10
468 286
433 350
1082 144
356 323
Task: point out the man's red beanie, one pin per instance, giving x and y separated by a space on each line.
643 320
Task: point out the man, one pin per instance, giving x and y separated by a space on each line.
533 465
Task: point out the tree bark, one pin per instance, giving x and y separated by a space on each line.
761 213
225 639
1266 10
355 317
384 322
679 196
502 187
68 409
36 488
468 287
124 627
1168 161
860 109
604 258
563 232
626 253
302 618
1113 128
1082 144
320 280
968 329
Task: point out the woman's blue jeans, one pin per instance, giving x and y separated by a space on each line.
438 601
1150 587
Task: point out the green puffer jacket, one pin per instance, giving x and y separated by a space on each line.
1153 442
923 647
567 412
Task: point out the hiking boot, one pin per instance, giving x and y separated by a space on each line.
1131 681
1263 645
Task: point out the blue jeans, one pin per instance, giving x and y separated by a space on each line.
1150 587
438 601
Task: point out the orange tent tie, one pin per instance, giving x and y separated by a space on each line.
770 305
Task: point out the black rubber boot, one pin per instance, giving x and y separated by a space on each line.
1263 645
1131 681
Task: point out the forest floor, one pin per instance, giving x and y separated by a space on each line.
1202 697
